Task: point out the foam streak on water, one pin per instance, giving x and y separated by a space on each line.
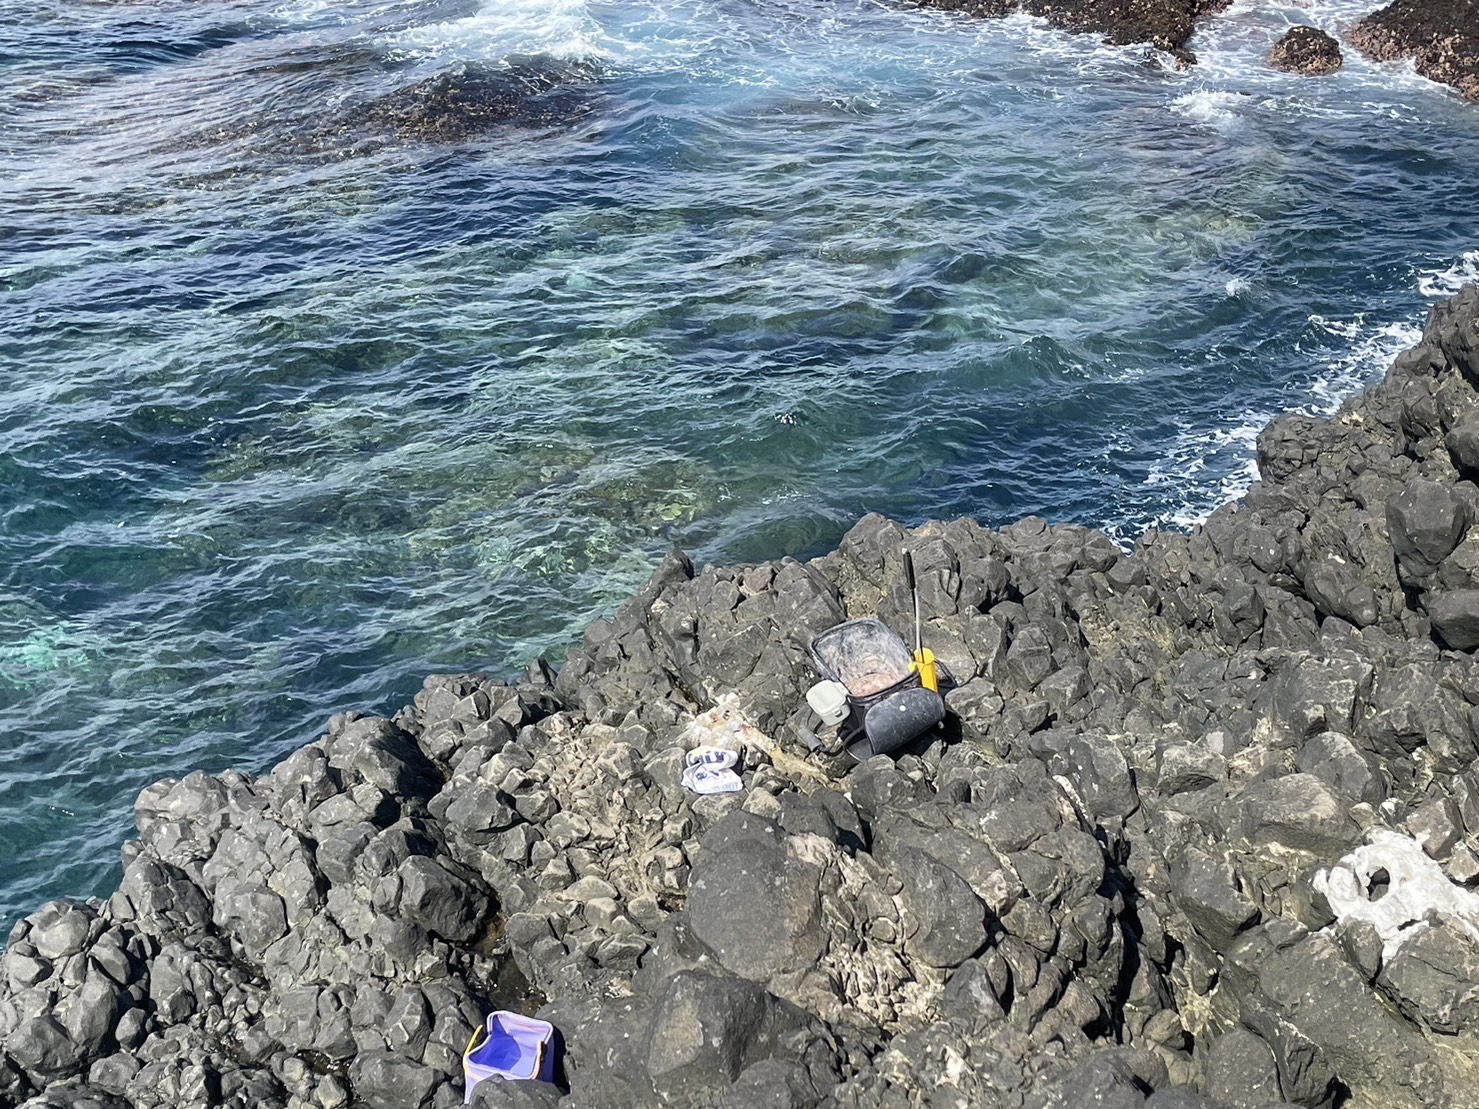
307 391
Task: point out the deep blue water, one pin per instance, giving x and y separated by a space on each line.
298 405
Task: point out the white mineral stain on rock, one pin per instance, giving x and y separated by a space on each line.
1392 884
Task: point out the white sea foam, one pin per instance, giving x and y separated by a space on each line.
1346 329
1358 354
564 30
1449 280
324 13
1352 368
1196 451
1232 54
1214 106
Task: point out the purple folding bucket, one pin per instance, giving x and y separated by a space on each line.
510 1046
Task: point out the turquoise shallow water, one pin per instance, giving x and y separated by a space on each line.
297 406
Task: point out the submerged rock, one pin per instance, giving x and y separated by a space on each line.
467 101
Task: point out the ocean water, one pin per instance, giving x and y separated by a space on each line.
311 385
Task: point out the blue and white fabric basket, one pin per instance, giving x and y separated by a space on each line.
509 1047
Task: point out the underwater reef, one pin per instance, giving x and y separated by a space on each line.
1202 830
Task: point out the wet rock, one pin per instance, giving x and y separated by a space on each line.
468 101
1165 24
1442 38
1308 51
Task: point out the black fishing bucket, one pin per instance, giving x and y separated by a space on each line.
887 706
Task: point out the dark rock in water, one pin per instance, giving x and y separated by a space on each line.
466 102
986 9
1306 50
1441 36
1165 24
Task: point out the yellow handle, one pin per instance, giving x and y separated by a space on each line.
924 666
477 1033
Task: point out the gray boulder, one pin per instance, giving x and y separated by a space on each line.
944 921
786 937
707 1030
1455 617
1426 521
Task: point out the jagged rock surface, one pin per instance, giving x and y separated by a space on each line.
1164 24
1440 36
1306 50
1145 866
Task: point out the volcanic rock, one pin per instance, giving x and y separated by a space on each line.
1440 36
1202 830
1165 24
465 102
1306 50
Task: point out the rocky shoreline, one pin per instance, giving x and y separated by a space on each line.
1440 37
1204 832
